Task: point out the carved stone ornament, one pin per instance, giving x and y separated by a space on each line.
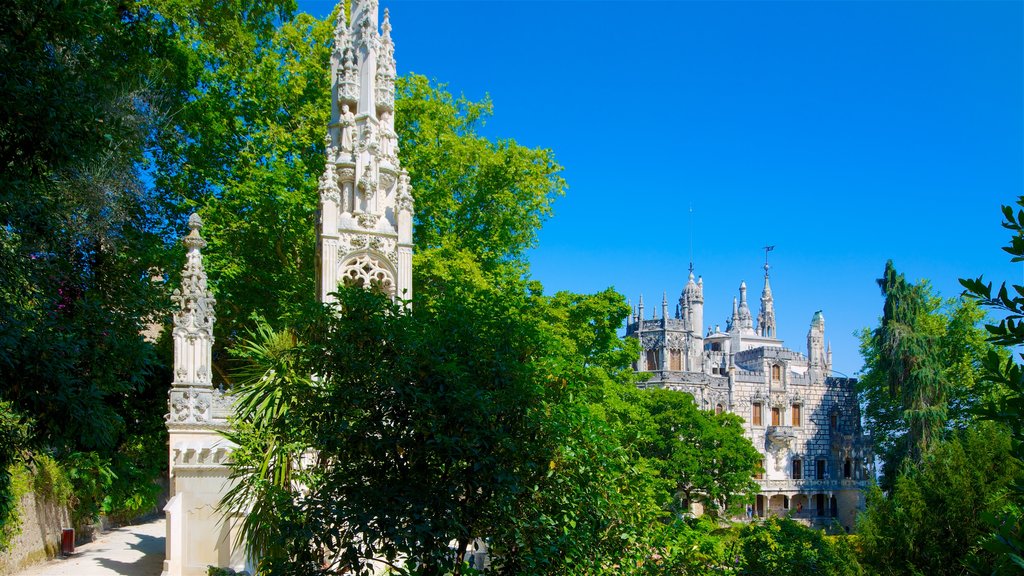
780 440
652 341
329 185
190 406
676 340
368 220
365 270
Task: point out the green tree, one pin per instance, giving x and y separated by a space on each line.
782 547
86 84
960 347
1006 406
489 198
908 361
931 521
705 456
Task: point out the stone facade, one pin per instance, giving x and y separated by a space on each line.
804 421
366 207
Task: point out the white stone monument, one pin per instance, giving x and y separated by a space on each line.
364 239
366 207
197 536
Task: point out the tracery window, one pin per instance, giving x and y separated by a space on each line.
675 360
365 271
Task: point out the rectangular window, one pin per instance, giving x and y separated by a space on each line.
795 410
798 469
776 373
820 469
759 475
776 417
675 360
819 503
652 360
756 414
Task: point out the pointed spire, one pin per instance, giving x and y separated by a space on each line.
744 322
193 321
385 26
766 317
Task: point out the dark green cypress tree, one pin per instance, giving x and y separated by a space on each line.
909 361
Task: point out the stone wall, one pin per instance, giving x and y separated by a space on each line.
41 524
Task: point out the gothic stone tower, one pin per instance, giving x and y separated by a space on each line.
197 534
366 207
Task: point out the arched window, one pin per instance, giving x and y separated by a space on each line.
675 361
718 409
776 373
652 360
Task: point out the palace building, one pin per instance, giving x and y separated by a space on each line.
804 421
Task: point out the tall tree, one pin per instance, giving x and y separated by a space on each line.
908 360
86 85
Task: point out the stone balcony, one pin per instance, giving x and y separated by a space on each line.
780 436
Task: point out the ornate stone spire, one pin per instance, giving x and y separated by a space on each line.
691 304
744 321
366 205
766 317
191 391
816 359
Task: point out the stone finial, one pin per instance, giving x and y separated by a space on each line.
194 241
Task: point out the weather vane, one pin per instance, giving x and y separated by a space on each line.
767 249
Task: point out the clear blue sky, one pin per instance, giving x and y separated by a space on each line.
843 133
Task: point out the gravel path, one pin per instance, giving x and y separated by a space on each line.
129 551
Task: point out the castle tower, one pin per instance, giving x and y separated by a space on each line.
743 322
366 206
691 311
766 318
817 362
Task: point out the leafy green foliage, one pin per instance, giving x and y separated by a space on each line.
705 456
14 434
488 197
1006 540
87 85
960 346
270 440
908 361
783 547
929 523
